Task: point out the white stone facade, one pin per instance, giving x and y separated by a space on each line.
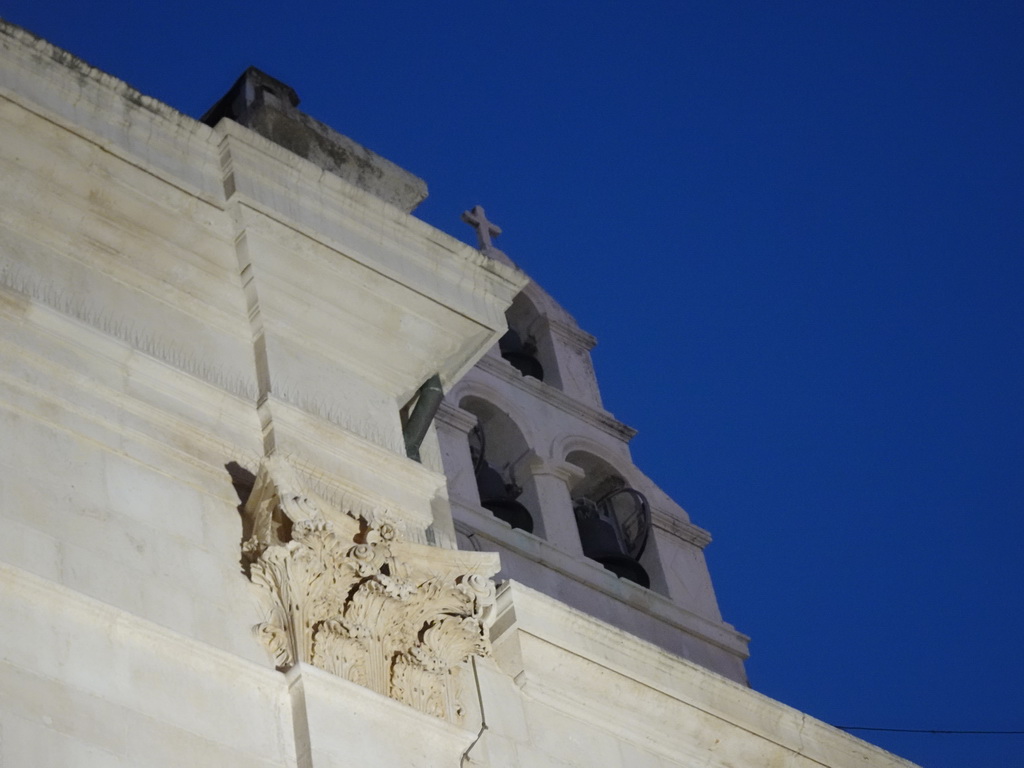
216 550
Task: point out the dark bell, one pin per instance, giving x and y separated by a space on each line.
521 355
511 511
496 497
627 568
601 543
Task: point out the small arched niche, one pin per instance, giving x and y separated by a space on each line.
528 345
613 519
496 446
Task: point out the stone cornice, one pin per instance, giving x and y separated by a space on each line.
575 337
688 532
456 418
354 222
680 709
37 46
481 523
145 131
599 419
326 253
78 611
85 372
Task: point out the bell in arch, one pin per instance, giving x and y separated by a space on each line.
521 354
614 530
496 495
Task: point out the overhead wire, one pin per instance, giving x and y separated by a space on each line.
926 730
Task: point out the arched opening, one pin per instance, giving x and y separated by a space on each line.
527 344
613 519
497 446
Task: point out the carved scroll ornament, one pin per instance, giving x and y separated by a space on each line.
351 597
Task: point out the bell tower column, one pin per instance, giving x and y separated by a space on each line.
546 491
453 428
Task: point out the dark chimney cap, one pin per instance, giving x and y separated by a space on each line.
269 107
254 89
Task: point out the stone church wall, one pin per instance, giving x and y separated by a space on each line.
206 344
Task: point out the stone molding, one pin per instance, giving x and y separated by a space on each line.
565 471
123 121
346 470
571 335
348 220
676 708
186 681
352 597
458 419
475 522
270 107
688 532
599 419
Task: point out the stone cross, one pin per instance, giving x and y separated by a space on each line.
485 230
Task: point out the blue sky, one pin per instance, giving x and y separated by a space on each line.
796 230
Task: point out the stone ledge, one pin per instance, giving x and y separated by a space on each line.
141 666
268 106
354 725
456 418
570 661
327 201
593 576
340 465
65 89
571 334
110 394
681 529
600 419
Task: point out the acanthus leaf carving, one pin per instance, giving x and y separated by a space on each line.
350 596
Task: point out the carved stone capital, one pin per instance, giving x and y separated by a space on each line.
355 599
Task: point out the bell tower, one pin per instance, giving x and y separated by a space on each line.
541 473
